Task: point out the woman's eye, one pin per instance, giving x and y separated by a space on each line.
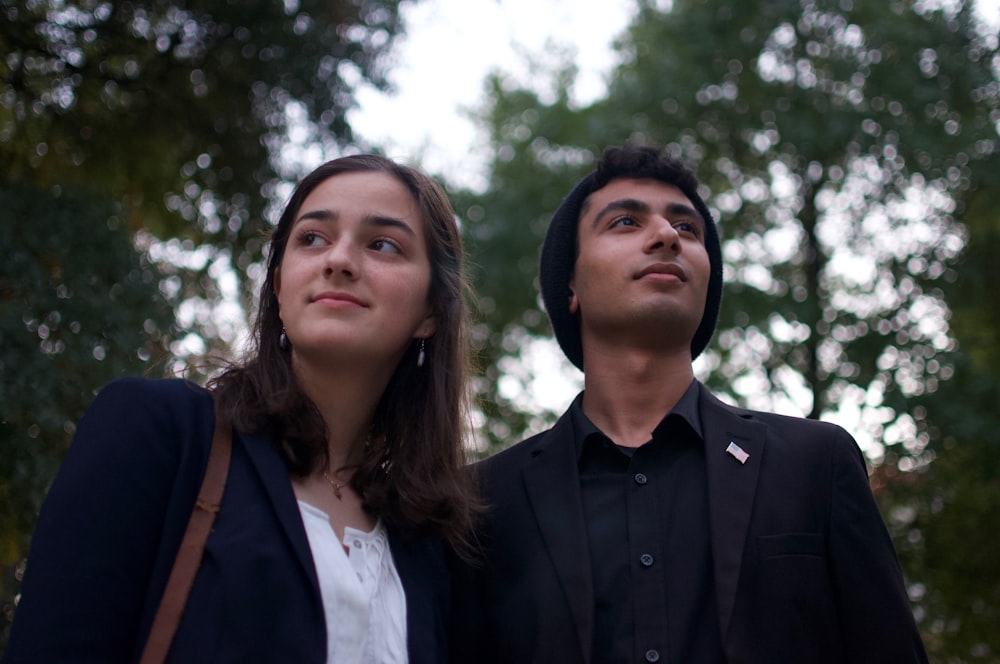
386 247
310 239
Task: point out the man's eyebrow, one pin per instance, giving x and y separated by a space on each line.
376 220
622 204
684 210
638 206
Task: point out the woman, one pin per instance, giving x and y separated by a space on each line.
345 484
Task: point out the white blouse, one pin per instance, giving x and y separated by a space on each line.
363 597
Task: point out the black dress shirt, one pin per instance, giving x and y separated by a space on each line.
646 511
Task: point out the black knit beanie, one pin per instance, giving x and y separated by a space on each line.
560 248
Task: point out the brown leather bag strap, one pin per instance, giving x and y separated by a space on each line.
168 614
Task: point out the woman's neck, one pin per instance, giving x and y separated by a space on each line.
346 399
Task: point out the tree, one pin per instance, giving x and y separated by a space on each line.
65 259
836 142
180 110
940 518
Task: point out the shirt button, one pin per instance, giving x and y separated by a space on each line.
652 655
640 478
647 561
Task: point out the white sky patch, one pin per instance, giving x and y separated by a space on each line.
542 381
989 12
439 67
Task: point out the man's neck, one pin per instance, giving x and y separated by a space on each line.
627 392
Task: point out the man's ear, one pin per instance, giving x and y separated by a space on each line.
574 303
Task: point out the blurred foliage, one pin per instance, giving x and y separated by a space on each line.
78 307
180 110
142 145
943 519
850 153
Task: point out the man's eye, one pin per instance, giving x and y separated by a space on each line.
688 227
624 221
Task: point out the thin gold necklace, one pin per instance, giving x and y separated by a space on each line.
336 486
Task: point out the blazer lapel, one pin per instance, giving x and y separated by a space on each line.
732 484
273 474
424 574
552 482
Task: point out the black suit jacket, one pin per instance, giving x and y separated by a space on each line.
113 520
805 572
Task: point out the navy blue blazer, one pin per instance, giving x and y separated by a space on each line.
113 520
804 568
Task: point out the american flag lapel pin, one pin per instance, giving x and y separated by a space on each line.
738 452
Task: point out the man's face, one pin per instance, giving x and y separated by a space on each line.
642 271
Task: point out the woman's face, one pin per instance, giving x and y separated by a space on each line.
354 278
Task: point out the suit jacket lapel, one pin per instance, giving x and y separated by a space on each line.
273 474
731 489
424 574
552 481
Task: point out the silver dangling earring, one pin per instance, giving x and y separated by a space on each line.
283 340
421 355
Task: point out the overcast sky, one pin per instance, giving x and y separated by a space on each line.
450 46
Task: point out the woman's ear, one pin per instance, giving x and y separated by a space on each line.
427 327
574 303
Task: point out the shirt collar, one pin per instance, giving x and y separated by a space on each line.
686 408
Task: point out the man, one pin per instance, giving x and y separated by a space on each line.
653 523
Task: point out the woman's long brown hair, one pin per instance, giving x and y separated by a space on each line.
413 473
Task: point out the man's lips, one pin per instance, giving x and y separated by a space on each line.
337 298
668 269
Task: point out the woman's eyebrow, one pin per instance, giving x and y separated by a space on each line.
317 215
390 222
377 220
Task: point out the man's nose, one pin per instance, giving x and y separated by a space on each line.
662 235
